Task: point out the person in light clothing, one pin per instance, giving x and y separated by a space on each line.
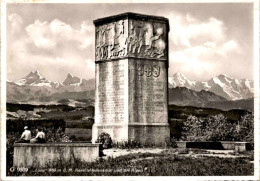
40 137
26 136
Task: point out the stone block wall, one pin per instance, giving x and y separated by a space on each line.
42 155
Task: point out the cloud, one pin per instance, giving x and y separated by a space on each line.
189 61
227 47
53 67
40 35
199 47
54 48
16 22
90 64
185 29
50 35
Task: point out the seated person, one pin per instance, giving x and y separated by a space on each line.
40 137
26 136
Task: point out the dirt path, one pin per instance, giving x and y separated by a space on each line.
119 152
204 153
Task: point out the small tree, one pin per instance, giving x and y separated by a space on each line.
218 128
245 128
193 129
214 128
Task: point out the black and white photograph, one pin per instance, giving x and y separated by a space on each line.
130 89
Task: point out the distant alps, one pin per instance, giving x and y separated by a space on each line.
222 85
222 92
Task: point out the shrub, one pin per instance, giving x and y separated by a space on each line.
173 143
245 128
105 140
129 144
193 129
56 135
218 128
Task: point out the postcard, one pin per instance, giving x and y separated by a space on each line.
145 90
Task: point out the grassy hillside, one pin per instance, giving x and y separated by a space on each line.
183 112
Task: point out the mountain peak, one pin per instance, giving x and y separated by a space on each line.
223 75
223 79
178 74
70 75
34 75
178 79
71 80
34 78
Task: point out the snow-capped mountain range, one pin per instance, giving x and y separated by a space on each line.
35 87
222 85
34 78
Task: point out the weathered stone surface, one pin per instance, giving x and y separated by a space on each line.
111 87
147 39
148 91
149 134
40 155
131 78
111 40
131 35
117 131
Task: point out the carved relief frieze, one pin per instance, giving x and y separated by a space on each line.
147 39
111 40
133 38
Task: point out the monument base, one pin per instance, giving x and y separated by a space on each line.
118 132
157 134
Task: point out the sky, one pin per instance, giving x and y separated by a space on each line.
205 39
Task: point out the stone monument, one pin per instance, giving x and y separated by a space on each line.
131 99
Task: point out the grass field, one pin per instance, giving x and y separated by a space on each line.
168 162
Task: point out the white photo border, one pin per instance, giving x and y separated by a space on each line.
140 178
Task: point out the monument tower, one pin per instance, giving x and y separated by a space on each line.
131 99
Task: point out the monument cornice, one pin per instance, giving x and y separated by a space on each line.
131 15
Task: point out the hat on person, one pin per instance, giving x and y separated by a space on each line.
26 127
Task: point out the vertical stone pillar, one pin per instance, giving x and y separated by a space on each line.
131 100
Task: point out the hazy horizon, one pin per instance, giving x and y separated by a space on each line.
205 39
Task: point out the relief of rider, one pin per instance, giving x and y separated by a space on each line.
156 44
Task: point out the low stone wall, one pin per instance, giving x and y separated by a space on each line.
42 155
200 145
237 146
221 145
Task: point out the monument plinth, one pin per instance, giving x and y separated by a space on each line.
131 100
